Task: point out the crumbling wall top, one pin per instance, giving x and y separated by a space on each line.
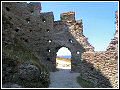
68 16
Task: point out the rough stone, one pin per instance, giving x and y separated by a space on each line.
105 61
35 29
11 85
28 72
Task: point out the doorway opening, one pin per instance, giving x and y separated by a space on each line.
63 58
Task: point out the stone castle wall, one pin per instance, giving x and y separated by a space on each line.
44 37
29 28
105 62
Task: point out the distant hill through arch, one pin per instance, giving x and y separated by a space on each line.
63 58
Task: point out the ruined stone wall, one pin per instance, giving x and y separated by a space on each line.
76 30
20 67
31 29
68 16
44 36
70 34
105 63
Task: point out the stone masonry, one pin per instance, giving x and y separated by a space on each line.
44 37
104 61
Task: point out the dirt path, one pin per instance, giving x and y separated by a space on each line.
63 79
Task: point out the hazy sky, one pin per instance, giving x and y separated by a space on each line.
63 52
98 19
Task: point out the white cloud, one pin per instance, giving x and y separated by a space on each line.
63 52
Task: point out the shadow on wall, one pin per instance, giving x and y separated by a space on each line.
90 77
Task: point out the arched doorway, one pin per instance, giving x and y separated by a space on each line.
63 58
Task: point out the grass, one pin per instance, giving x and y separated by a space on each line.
21 54
15 53
84 83
64 59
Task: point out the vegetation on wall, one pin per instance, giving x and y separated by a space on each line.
16 54
84 83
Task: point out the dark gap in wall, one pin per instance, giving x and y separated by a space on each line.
28 19
40 29
7 9
48 59
6 43
48 50
16 29
43 19
48 30
32 11
26 40
92 68
70 40
49 41
10 18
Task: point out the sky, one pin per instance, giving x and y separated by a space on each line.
63 52
98 19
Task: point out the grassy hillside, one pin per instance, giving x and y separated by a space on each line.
17 52
63 59
21 53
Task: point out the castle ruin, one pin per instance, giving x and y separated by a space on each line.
44 36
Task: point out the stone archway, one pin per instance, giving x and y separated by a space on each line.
75 57
63 58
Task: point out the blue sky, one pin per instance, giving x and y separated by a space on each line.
98 19
63 52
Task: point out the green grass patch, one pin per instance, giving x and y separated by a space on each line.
63 59
84 83
20 53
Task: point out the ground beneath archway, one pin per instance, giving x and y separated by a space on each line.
64 79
